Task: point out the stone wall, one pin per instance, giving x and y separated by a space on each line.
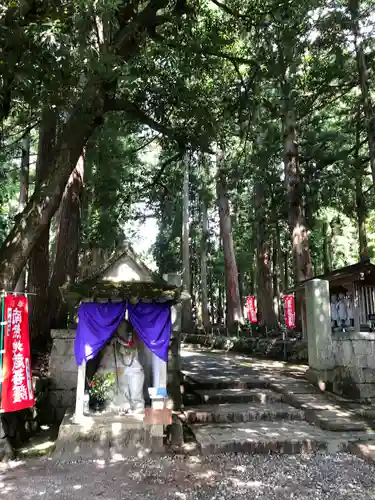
353 372
63 372
354 359
344 362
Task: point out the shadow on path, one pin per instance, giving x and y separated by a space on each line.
194 478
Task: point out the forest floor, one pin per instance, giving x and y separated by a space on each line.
273 404
223 477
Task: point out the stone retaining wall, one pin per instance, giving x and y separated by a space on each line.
63 372
353 372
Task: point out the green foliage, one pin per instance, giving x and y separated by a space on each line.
114 174
197 76
101 386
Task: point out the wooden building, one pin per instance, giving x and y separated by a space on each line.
357 284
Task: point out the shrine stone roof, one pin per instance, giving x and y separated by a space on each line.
110 291
123 276
363 271
119 254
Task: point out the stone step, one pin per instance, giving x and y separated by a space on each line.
364 450
287 437
245 382
217 396
328 414
106 436
241 412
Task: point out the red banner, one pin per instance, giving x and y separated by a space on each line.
251 309
289 311
17 389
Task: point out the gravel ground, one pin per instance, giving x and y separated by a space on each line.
226 477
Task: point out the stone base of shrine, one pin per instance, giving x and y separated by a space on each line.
349 370
107 436
349 382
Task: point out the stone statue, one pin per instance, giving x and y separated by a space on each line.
350 310
120 356
341 309
334 311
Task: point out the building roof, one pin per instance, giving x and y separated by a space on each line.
361 271
96 287
117 255
108 291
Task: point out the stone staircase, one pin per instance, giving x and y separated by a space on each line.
282 415
237 395
224 413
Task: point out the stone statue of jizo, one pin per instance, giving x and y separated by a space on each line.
120 356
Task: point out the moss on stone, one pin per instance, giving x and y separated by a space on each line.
102 290
344 383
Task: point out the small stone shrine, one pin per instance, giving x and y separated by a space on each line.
351 296
120 347
338 318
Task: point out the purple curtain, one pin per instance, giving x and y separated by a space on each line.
98 322
96 325
154 326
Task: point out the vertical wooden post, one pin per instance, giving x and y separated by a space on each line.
81 377
356 308
159 372
174 377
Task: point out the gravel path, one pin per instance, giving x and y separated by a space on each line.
228 477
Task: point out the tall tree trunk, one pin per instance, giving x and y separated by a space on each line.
296 218
363 77
286 271
211 298
264 289
361 219
241 284
220 305
360 202
187 325
45 201
327 254
252 279
38 278
204 286
234 306
275 270
24 173
67 245
24 193
194 276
